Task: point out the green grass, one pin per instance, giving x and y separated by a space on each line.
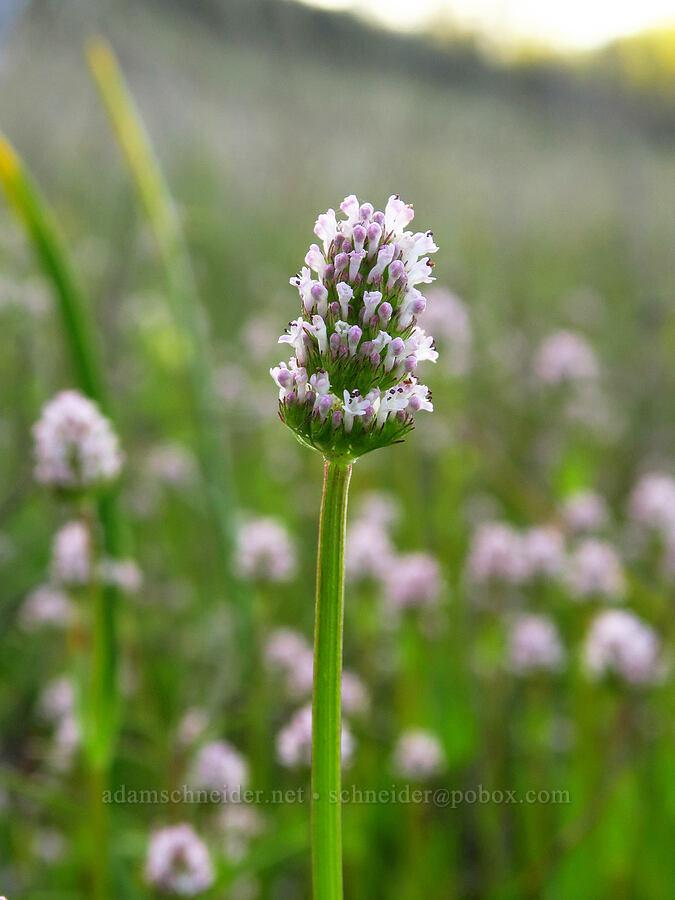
546 218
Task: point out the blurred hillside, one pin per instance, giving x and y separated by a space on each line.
629 80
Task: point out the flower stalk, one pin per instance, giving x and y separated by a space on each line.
326 711
350 388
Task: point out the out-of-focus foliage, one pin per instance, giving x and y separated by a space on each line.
551 202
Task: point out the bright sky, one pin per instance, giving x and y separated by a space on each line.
566 24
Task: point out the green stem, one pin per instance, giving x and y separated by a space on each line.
326 812
99 834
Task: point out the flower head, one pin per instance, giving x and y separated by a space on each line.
75 446
621 644
46 606
585 511
544 552
265 551
595 570
219 767
418 755
241 824
350 385
283 647
368 550
71 555
294 741
178 862
412 580
652 503
497 554
534 644
565 357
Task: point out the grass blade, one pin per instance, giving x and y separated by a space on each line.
102 716
186 308
38 221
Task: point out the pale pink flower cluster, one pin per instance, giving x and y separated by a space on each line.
57 705
178 862
543 552
287 653
355 696
619 643
496 554
380 508
411 581
418 755
294 741
368 549
57 699
585 511
652 503
125 574
75 446
368 256
192 726
501 553
594 570
219 767
265 551
408 580
565 357
448 318
241 824
283 647
46 605
535 645
71 564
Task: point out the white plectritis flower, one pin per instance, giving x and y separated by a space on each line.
418 755
294 742
178 862
496 554
355 696
379 508
57 705
565 357
46 606
265 551
283 647
219 767
543 552
652 503
288 654
75 446
595 570
57 699
534 645
620 644
240 824
585 511
125 574
71 564
412 580
192 726
368 549
350 385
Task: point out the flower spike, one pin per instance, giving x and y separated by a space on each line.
351 385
